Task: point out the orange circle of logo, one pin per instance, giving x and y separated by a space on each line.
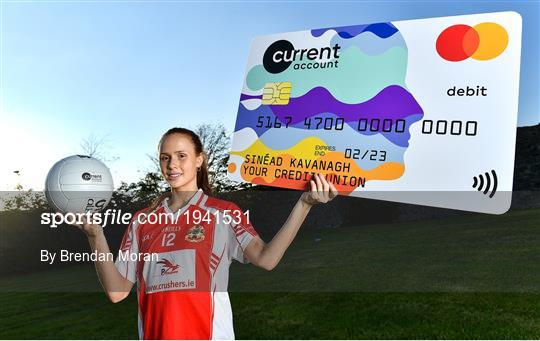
484 41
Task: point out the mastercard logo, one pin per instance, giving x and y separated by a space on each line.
484 41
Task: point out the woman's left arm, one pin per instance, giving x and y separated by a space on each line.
267 256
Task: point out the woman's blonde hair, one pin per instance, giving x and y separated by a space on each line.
202 172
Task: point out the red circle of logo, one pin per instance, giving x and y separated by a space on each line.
457 42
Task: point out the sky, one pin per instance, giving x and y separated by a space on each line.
130 70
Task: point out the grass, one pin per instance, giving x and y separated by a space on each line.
475 277
291 315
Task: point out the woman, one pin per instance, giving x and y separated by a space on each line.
182 293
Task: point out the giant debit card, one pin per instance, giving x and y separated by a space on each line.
417 111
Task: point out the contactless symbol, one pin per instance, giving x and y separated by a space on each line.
276 93
488 180
484 41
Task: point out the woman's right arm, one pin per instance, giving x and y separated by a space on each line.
116 286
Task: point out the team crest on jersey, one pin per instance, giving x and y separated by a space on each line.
195 234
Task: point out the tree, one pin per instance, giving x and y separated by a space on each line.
137 195
216 143
98 147
23 199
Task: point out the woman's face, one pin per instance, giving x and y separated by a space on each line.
179 161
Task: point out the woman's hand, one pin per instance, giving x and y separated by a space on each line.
267 256
321 191
91 230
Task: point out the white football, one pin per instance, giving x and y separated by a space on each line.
78 183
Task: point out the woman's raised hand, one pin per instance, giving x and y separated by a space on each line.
321 191
90 229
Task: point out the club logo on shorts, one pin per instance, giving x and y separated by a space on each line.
195 234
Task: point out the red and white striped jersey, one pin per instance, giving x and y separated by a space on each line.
183 293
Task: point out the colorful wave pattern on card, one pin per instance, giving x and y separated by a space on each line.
370 80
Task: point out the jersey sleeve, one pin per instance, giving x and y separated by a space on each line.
240 233
125 264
